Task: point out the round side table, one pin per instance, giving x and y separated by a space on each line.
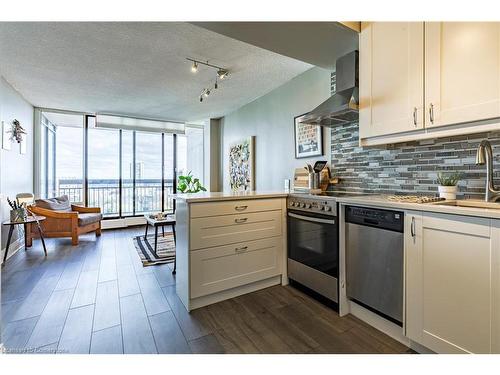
29 220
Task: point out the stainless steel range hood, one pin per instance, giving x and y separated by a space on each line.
343 106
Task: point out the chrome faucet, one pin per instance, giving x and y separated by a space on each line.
484 155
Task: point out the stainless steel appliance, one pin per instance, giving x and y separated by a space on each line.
374 260
343 106
313 244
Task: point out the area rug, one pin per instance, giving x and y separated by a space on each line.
165 249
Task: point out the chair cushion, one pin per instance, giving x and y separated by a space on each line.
88 218
55 204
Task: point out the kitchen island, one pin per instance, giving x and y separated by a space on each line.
229 244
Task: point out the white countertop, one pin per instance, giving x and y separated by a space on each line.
229 196
381 201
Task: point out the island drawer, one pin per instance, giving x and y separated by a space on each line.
206 209
225 267
227 229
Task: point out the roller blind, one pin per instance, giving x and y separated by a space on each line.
146 125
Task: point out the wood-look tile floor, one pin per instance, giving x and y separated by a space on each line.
98 298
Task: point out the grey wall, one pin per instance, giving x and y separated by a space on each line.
16 170
270 119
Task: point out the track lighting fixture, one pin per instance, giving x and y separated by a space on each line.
221 74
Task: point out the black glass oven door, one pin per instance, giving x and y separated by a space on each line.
313 241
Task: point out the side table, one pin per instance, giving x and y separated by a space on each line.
29 220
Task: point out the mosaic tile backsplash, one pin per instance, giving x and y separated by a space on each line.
411 167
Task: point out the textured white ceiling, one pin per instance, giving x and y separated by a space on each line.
137 69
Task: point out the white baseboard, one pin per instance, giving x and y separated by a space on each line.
123 223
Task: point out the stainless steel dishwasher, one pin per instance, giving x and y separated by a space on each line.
374 260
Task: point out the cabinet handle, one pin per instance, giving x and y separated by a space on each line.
412 227
241 220
241 249
240 208
431 113
415 116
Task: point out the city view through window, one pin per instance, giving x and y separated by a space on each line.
128 172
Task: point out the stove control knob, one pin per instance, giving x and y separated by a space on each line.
308 205
303 205
326 208
295 204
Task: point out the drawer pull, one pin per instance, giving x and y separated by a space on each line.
241 249
240 208
241 220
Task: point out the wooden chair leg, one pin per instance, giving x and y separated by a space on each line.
74 239
98 231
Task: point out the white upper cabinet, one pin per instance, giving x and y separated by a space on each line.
462 72
443 72
391 77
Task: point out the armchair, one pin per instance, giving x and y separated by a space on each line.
64 220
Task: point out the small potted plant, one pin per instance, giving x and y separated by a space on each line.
189 184
448 184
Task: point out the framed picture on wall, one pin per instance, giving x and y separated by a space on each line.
242 165
308 140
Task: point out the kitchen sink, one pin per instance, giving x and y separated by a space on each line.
476 203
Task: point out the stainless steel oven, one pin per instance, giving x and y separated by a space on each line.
313 244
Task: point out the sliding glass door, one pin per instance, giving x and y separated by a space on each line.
103 181
148 172
124 172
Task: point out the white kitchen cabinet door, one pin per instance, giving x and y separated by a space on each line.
391 78
224 267
448 283
462 72
495 283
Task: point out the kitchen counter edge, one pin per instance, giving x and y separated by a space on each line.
229 196
381 202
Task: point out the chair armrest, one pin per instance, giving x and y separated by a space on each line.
53 214
82 209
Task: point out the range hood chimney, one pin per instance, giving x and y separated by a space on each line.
342 107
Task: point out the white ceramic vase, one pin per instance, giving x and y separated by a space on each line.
448 192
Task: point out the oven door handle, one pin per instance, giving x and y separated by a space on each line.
314 219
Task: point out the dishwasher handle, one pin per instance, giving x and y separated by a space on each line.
371 221
375 217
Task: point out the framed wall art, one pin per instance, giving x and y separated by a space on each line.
308 140
242 165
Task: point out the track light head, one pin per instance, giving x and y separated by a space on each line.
207 92
201 98
194 67
216 86
222 73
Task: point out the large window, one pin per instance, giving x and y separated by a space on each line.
62 151
124 172
103 188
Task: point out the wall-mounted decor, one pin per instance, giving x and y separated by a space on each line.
308 140
6 142
22 146
242 165
17 132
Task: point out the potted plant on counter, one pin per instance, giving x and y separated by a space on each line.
189 184
448 184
